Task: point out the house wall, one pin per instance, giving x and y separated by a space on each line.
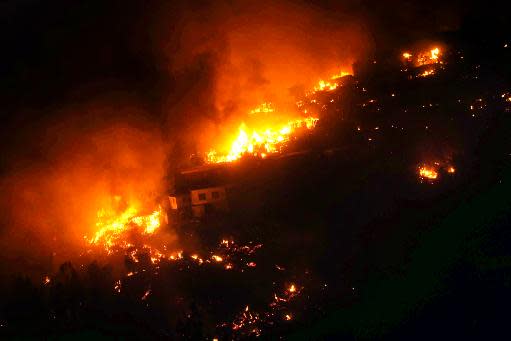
209 195
214 197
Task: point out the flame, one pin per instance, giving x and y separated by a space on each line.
434 54
111 225
217 258
263 108
428 173
260 142
330 85
269 138
426 57
427 73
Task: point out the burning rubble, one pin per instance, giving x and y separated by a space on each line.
271 138
431 172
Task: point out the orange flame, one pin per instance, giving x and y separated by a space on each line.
111 225
260 142
428 173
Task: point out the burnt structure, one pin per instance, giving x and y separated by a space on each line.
200 191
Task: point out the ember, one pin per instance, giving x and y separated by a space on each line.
428 173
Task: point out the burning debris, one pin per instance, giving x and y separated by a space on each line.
270 138
424 57
428 173
113 226
261 142
431 172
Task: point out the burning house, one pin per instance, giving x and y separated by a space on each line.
200 191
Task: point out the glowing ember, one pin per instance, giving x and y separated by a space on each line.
263 108
217 258
288 317
292 288
328 86
430 57
427 73
118 286
427 57
451 170
428 173
46 280
146 294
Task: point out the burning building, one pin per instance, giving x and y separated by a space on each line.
200 191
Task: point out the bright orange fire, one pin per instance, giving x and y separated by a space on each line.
407 55
111 225
261 142
428 173
269 138
263 108
431 56
332 84
427 73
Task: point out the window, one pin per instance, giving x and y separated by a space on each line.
202 196
216 195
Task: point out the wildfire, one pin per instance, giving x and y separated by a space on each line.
268 138
433 170
262 142
427 57
263 108
111 225
332 84
428 173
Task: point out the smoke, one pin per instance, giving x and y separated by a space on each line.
109 106
90 154
235 56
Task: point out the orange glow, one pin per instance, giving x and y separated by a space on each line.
451 170
427 73
217 258
332 84
111 225
263 108
268 138
260 142
292 288
434 53
424 57
428 173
